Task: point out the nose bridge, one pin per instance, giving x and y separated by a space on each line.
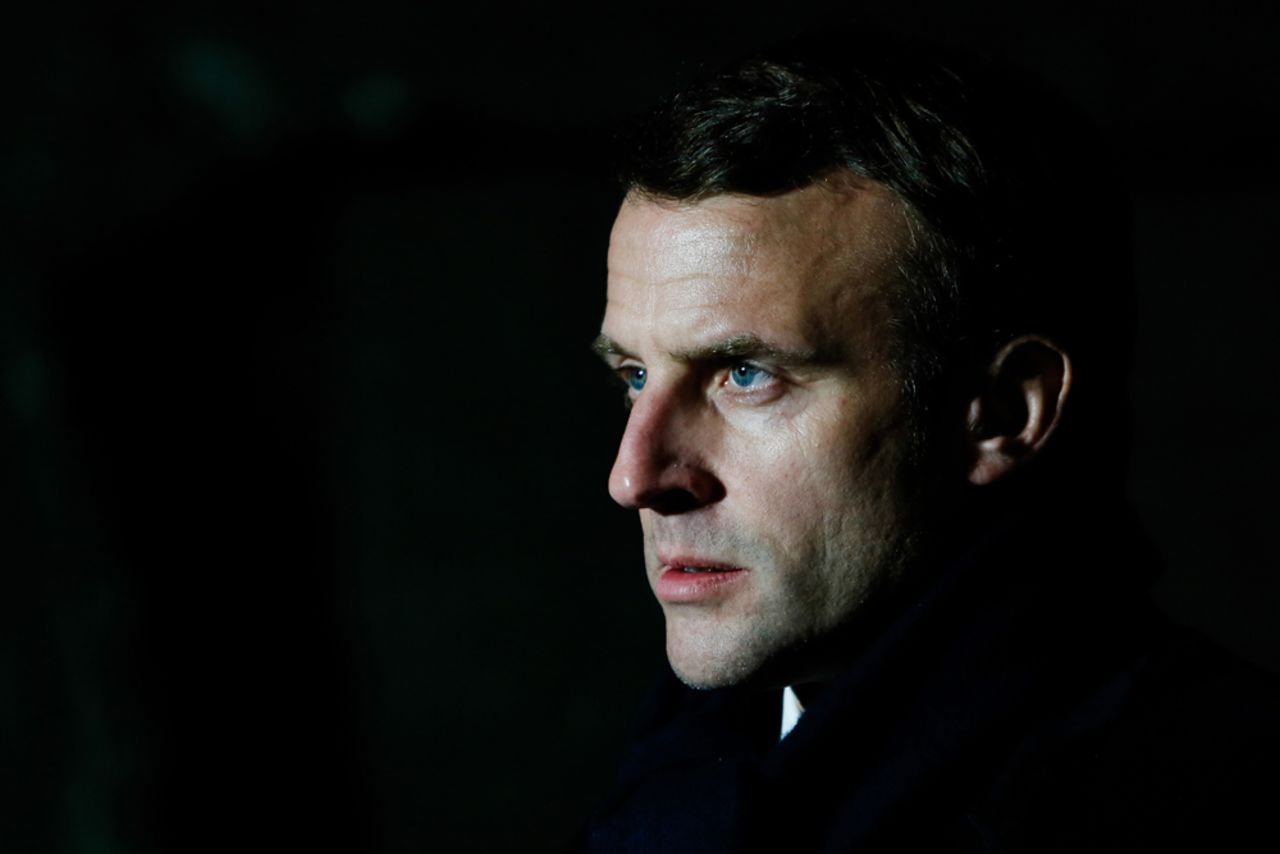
659 463
648 442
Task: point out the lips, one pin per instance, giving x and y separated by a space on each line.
697 581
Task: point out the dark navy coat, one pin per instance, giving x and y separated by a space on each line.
1022 702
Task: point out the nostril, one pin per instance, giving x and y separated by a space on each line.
657 466
673 502
682 488
676 487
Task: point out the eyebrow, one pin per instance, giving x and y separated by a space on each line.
744 346
605 347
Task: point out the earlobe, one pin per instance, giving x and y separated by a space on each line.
1018 409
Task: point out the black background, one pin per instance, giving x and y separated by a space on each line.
305 531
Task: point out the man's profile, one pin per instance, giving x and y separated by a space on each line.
870 309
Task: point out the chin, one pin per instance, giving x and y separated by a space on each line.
710 656
705 662
703 678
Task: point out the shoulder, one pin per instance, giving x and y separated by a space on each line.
1181 747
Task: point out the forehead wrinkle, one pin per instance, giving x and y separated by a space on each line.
704 254
696 262
686 266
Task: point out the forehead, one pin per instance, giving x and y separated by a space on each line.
797 264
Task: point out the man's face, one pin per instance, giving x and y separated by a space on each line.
767 443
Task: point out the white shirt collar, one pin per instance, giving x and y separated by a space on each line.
791 711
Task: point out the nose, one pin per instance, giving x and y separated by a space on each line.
661 463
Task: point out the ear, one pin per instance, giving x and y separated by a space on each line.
1018 409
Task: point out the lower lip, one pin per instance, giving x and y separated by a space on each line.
676 585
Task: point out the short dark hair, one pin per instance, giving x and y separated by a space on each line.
1018 224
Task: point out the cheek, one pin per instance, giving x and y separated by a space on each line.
826 470
815 449
771 467
812 466
778 440
795 478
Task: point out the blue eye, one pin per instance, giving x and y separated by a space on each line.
634 377
745 375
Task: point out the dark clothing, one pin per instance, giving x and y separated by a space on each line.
1023 702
